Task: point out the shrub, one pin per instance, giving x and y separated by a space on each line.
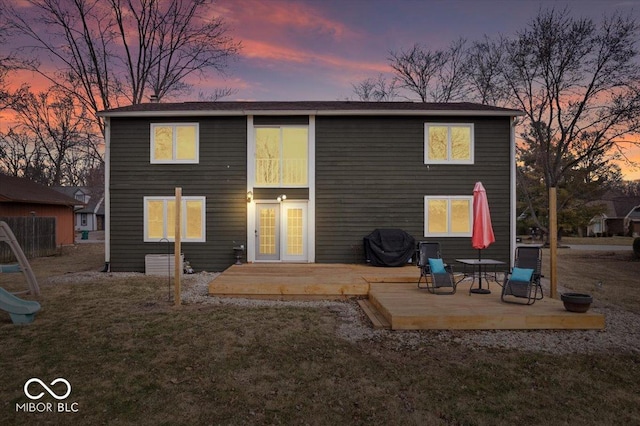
636 247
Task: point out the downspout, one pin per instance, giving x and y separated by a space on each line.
107 195
513 219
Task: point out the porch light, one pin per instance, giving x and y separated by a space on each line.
249 196
281 197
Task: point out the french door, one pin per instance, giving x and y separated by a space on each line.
281 231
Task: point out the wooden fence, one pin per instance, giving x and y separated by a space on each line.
36 236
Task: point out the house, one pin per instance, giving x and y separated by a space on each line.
621 216
89 214
303 181
22 197
632 221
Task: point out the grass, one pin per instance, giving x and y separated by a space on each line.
132 358
602 241
610 276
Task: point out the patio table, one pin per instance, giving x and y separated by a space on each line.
481 266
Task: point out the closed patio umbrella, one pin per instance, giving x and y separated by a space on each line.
482 233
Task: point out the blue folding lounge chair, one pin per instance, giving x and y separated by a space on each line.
522 283
441 278
426 250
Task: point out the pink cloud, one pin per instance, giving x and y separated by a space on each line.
254 49
293 33
278 16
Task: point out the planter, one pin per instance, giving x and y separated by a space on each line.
576 302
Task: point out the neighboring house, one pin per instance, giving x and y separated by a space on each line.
632 221
346 168
22 197
621 217
89 215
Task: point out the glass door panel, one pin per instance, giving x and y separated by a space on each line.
294 232
267 232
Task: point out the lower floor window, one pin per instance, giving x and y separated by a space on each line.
448 216
160 219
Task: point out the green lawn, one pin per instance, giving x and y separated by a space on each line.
133 358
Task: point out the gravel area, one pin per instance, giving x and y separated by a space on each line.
621 334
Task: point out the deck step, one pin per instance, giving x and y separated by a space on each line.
377 319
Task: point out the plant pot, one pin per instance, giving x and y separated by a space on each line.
576 302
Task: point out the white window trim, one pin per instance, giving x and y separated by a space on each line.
448 160
174 144
276 126
449 198
182 215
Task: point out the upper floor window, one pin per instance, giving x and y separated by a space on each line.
282 156
174 143
448 216
448 143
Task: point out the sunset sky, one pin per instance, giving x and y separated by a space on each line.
316 49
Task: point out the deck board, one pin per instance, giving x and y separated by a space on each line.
407 307
393 293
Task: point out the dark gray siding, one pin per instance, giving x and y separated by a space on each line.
280 120
370 173
273 193
220 177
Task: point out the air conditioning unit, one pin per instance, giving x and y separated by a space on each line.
161 264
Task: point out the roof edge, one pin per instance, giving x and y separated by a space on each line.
355 112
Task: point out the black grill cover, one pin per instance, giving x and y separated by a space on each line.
388 247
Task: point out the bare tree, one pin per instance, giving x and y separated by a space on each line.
434 76
376 90
9 62
579 86
218 93
116 51
19 156
55 137
482 72
175 39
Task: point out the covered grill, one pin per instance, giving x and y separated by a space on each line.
388 247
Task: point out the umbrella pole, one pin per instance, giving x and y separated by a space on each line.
480 269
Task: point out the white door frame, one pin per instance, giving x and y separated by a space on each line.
251 205
281 238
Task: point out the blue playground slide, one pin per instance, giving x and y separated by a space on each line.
10 268
21 311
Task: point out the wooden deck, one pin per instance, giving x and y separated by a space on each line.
394 301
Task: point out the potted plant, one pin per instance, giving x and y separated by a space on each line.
576 302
